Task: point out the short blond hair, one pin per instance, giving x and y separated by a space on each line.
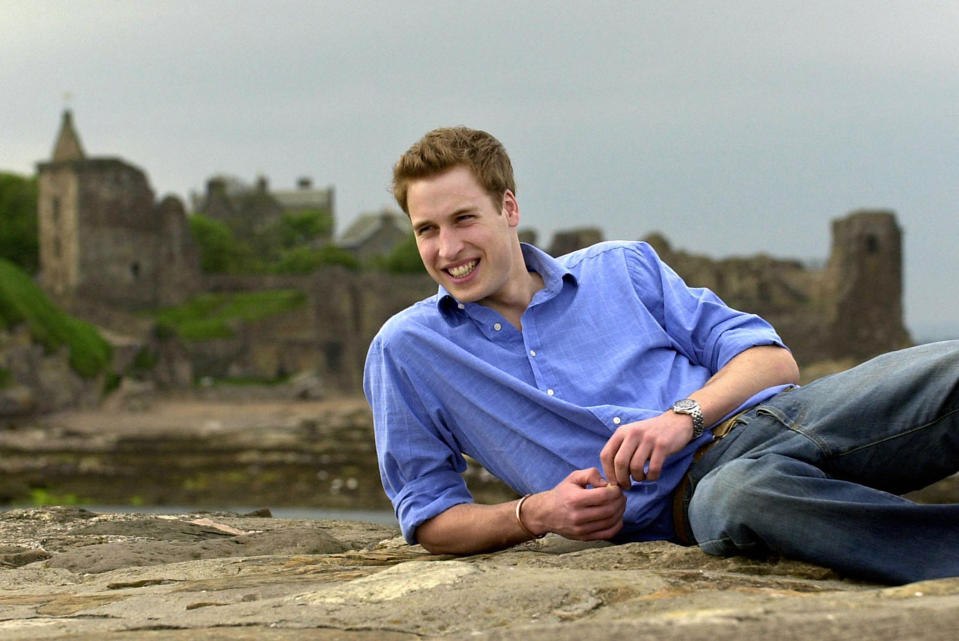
448 147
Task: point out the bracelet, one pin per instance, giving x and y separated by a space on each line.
519 519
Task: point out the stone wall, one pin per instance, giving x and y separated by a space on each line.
852 309
849 310
102 237
328 337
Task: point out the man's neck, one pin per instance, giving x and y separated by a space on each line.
513 306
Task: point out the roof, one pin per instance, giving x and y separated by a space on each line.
368 224
304 198
68 145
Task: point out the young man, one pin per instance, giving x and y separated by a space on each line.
587 383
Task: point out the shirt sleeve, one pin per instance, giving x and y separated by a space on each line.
704 328
420 467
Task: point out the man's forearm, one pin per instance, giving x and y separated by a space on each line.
582 506
468 528
746 374
639 450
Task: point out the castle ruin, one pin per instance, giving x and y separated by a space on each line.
851 309
103 237
104 240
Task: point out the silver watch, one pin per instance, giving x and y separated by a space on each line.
692 408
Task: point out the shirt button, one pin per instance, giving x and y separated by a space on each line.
532 352
497 326
550 392
461 306
617 420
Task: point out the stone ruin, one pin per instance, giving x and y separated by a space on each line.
103 237
850 309
104 241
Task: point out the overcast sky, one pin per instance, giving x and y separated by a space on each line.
734 127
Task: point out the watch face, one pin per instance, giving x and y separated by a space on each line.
685 404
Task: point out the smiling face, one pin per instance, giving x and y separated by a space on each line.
467 241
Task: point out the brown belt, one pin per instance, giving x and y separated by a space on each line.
680 520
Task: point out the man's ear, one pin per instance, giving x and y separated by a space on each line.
511 208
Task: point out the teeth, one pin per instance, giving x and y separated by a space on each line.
462 270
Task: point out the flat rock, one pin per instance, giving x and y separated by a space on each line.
68 573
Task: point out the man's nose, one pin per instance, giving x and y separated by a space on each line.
450 244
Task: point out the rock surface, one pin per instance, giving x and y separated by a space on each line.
67 573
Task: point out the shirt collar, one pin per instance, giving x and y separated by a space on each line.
553 272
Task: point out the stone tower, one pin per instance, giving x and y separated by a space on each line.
102 237
864 276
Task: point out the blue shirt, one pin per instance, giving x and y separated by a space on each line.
614 336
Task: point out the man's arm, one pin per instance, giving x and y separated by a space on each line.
651 441
582 506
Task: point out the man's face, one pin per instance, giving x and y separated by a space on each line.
466 240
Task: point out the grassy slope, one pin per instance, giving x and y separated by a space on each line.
212 315
22 301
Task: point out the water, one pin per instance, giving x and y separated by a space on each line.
383 517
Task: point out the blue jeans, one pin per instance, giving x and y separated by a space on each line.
815 473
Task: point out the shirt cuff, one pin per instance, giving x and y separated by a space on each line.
425 497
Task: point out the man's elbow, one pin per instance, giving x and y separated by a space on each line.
430 535
787 370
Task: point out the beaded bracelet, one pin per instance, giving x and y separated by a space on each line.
519 519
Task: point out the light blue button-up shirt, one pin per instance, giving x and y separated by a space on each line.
614 336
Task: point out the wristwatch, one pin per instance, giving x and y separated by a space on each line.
692 408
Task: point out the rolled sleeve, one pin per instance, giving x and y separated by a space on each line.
704 328
420 469
422 498
735 335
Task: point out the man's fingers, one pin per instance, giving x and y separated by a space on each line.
599 529
656 463
587 477
608 453
637 465
623 459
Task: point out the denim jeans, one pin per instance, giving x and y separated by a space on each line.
815 473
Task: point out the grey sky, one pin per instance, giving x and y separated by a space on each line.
733 127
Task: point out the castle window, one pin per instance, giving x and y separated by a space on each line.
135 270
872 244
56 210
333 350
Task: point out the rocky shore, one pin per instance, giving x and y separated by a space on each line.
71 573
219 450
67 573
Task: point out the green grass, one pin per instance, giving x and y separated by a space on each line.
41 496
214 315
22 301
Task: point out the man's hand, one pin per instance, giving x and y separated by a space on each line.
633 445
582 507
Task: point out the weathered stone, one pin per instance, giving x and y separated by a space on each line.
102 237
849 310
376 587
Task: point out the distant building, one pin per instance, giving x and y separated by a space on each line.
375 234
103 238
248 210
851 308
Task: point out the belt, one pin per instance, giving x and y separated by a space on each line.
680 518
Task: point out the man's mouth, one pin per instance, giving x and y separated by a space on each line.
464 270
